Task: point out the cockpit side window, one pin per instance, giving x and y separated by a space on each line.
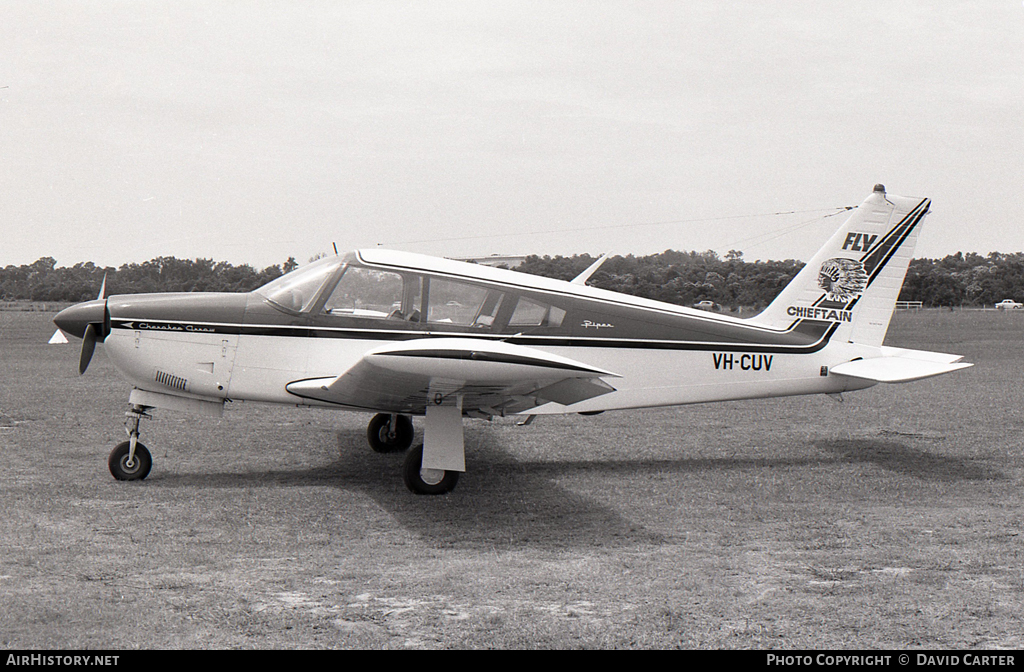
460 304
367 293
490 309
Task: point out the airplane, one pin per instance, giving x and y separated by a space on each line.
400 334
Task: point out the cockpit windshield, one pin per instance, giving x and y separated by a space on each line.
296 290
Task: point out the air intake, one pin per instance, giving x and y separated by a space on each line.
172 381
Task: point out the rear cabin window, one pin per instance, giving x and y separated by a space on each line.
531 313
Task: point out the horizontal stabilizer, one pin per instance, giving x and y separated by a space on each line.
901 369
923 355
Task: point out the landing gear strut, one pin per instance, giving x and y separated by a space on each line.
130 460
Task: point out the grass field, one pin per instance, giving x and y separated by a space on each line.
890 520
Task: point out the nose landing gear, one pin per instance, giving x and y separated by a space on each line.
130 460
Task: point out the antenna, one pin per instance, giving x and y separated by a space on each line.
582 278
335 248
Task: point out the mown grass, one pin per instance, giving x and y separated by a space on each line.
890 520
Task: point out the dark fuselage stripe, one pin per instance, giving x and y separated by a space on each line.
400 335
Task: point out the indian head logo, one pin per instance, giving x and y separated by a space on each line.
842 279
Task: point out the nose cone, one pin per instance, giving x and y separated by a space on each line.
75 319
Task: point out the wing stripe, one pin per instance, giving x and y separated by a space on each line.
499 358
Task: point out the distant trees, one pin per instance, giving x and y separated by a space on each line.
43 281
965 279
685 278
682 278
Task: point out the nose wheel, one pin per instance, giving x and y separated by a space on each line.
130 460
128 465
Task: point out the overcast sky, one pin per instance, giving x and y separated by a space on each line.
254 131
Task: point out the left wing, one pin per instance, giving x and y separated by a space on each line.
490 378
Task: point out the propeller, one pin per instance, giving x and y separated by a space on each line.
88 345
90 321
92 334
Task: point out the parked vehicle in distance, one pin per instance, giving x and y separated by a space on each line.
1008 304
706 305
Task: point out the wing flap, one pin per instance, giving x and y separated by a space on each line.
573 390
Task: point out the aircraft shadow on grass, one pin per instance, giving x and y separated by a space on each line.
506 503
518 503
905 459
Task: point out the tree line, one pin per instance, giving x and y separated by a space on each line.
682 278
42 280
685 278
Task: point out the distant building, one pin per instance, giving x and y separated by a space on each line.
506 260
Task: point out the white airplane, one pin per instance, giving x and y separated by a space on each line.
404 335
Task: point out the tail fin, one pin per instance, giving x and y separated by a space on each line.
855 279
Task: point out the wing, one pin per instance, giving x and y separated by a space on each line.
491 378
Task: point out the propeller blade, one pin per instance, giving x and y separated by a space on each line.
88 345
106 322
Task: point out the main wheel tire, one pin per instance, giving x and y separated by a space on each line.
385 439
426 481
139 467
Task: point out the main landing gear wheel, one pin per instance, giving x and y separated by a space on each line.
386 436
135 469
426 481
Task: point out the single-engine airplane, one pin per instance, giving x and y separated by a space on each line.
403 335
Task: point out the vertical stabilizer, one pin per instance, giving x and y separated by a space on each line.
854 280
